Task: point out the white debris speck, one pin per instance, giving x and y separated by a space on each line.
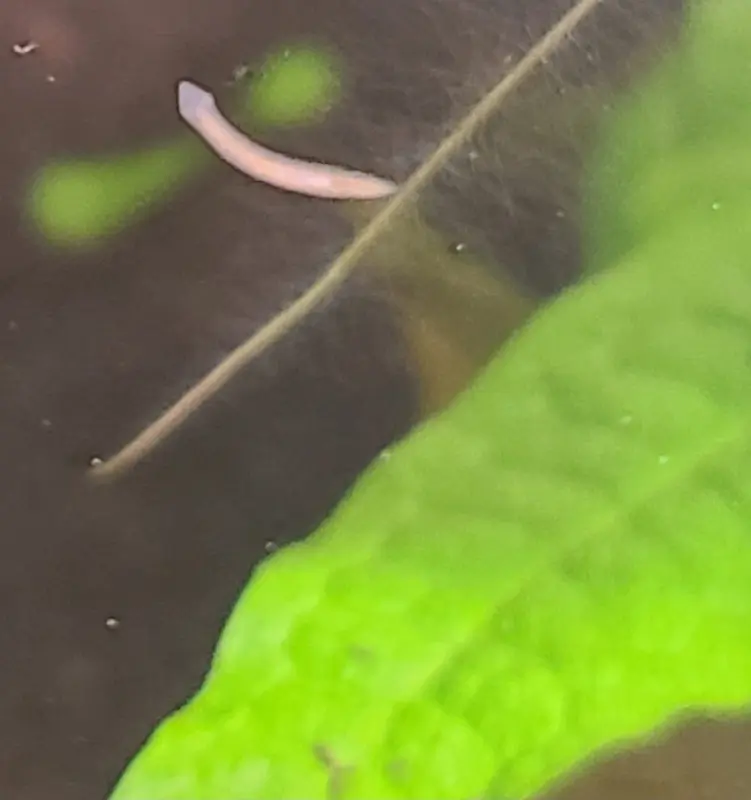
24 48
239 72
95 461
270 546
112 623
46 423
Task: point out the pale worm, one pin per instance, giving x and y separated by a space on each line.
198 109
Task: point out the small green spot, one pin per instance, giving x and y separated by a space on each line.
78 202
295 86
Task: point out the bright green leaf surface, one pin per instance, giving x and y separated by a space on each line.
679 143
558 563
560 560
78 202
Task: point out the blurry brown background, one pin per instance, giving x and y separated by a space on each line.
93 345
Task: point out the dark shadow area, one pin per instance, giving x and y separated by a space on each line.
113 595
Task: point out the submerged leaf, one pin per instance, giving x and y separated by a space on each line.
558 563
680 142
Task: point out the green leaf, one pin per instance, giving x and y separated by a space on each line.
680 141
560 561
557 564
76 203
